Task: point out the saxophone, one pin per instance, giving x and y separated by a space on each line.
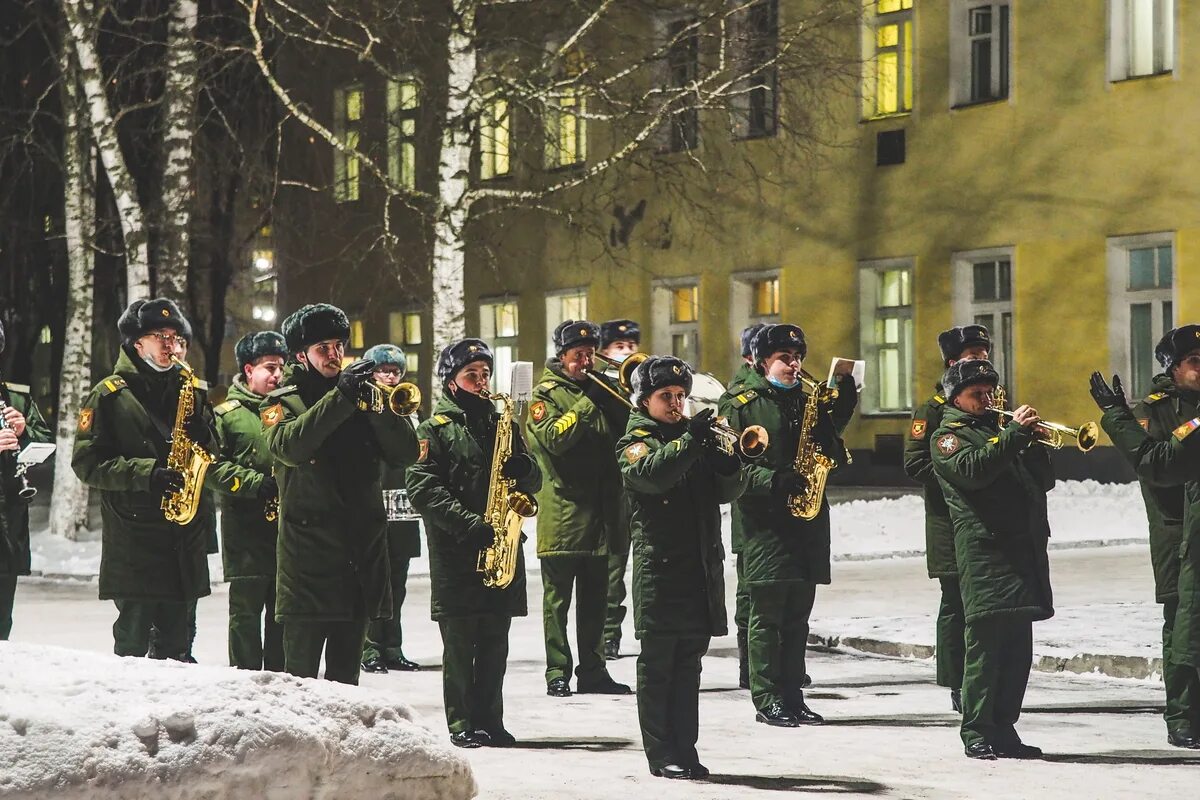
506 507
186 456
810 462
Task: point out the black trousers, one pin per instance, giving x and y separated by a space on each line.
999 659
304 640
951 630
136 619
474 660
668 697
253 642
8 594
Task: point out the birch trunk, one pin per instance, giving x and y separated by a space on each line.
69 500
80 38
449 256
179 104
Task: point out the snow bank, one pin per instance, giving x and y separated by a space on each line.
77 724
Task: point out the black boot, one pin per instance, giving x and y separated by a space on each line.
778 715
375 664
743 659
802 712
956 700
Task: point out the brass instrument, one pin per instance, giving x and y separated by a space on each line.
271 509
17 473
1054 435
402 399
186 457
810 461
506 507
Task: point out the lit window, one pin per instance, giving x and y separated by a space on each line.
264 260
495 140
404 329
885 291
562 306
498 326
754 35
403 107
766 297
888 77
46 336
357 337
566 123
676 318
1141 38
347 126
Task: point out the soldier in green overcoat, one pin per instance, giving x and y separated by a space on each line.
957 344
676 478
243 477
332 573
995 477
22 424
150 567
741 609
384 647
619 339
785 557
450 486
579 507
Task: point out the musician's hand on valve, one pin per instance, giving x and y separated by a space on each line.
352 378
1026 416
481 535
15 420
788 483
700 427
8 440
1106 397
268 489
163 480
595 392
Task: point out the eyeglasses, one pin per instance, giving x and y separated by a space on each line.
169 339
788 358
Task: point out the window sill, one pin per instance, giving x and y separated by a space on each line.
578 166
887 414
992 101
885 117
496 179
754 137
1139 78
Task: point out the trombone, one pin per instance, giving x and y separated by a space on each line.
403 399
1054 435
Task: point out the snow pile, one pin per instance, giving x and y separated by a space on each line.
77 724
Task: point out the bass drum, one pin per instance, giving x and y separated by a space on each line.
706 393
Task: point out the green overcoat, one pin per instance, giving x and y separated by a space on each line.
248 539
776 546
404 536
14 512
918 465
995 482
448 485
678 559
121 436
573 443
744 373
332 561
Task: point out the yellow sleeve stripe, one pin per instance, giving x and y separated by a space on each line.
564 423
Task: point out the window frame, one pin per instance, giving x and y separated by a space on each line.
904 19
680 132
559 295
966 308
497 343
399 141
1165 40
553 152
413 350
347 169
665 329
868 272
746 120
1122 299
962 62
741 304
491 123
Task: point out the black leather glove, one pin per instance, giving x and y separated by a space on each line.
1105 396
481 535
700 427
196 427
163 480
846 384
786 484
721 462
596 393
517 467
268 488
350 382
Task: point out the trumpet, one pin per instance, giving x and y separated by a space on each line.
402 399
1054 435
747 444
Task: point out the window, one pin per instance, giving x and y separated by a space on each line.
888 46
495 140
404 329
561 306
980 51
265 283
498 327
347 127
357 335
682 129
885 306
983 295
676 315
754 39
566 125
754 297
403 105
1141 301
1141 38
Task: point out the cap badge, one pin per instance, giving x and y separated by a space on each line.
793 334
676 369
165 313
583 331
471 348
623 328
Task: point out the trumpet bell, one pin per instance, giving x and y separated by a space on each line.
753 441
1087 435
402 399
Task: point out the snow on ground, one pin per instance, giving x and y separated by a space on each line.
1081 512
80 724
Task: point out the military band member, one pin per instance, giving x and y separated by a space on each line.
995 478
243 476
676 478
1170 408
741 613
449 486
785 557
579 505
619 339
332 565
964 343
150 567
384 647
23 423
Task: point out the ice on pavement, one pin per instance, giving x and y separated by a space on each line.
81 724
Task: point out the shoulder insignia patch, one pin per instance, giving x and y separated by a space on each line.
17 387
994 440
918 429
271 414
937 398
227 406
282 390
199 384
745 397
1145 423
1155 397
1184 430
956 424
439 419
635 451
423 451
112 385
538 411
948 444
640 432
86 415
546 385
565 422
235 484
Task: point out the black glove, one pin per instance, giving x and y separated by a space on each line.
1106 397
721 462
517 467
846 384
196 427
700 427
786 484
268 488
596 393
163 480
350 382
481 535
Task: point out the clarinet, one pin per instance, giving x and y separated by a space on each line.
13 470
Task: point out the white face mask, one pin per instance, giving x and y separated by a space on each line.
149 359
